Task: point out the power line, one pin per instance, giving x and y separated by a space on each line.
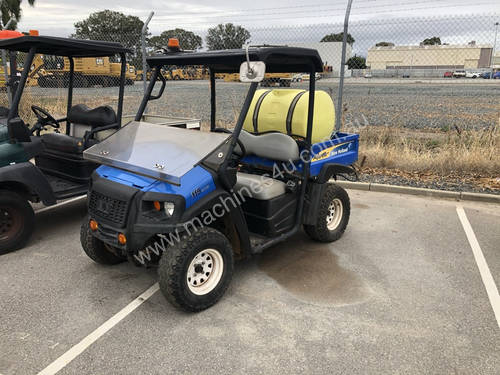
285 10
251 19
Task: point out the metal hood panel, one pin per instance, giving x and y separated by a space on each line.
158 151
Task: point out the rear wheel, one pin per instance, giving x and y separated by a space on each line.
17 221
333 215
195 272
96 249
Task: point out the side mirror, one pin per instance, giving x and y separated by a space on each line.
252 71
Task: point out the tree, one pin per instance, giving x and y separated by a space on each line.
227 36
12 9
384 44
113 26
187 39
435 40
356 62
338 38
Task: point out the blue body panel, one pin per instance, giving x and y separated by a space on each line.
198 182
341 150
194 185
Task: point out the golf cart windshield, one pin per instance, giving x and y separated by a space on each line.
158 151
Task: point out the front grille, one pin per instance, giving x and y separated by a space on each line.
110 209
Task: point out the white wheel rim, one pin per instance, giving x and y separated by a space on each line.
205 272
334 214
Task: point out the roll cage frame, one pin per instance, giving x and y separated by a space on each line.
64 47
277 60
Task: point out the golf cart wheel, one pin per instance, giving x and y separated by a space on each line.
17 221
96 249
195 272
333 215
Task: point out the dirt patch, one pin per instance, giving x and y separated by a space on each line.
311 273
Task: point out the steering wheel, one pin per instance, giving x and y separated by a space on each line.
44 117
242 147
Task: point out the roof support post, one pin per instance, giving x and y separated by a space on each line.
212 101
121 90
70 91
14 110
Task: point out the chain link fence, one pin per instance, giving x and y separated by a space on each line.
438 74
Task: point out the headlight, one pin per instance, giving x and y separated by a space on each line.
169 208
166 207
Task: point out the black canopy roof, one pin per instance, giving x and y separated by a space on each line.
49 45
277 59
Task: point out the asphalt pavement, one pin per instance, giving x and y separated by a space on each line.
403 291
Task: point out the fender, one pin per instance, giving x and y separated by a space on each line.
29 176
311 202
227 204
329 170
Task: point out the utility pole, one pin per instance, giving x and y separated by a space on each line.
493 50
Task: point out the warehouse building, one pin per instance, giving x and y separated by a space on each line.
471 56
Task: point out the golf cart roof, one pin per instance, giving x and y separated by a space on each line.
277 59
49 45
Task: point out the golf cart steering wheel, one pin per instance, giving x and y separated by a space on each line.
44 117
242 147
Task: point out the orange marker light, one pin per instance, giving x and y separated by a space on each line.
93 225
173 43
34 33
122 239
157 205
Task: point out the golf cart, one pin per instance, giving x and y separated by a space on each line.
59 170
193 201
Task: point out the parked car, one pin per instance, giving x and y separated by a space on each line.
459 74
448 75
298 77
487 75
368 75
472 75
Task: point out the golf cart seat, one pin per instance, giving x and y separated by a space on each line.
273 146
82 119
63 156
258 187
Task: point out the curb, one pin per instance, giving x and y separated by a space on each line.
457 195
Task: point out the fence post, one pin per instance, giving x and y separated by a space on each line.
338 114
492 50
143 43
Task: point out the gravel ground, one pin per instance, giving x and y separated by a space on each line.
436 104
438 183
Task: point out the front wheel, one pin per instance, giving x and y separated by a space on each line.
195 272
333 215
17 221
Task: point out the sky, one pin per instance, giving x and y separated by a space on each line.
282 20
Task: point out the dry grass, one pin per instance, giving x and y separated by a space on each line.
454 152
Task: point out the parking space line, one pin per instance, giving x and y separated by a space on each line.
484 270
79 348
63 203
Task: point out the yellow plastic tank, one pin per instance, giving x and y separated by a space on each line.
285 111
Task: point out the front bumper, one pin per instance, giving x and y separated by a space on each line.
117 208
